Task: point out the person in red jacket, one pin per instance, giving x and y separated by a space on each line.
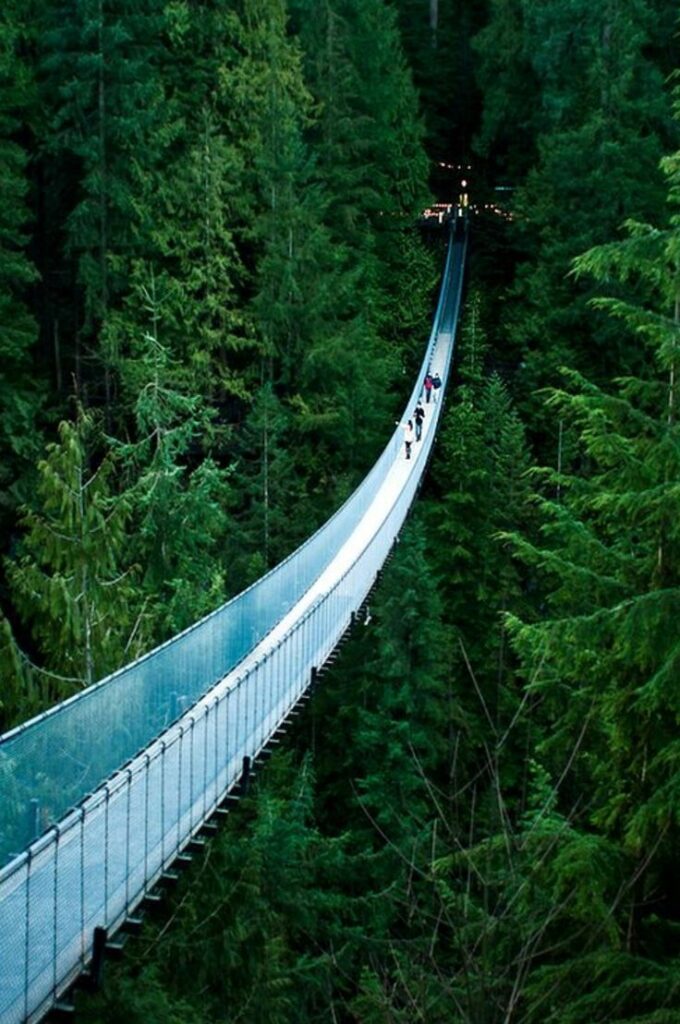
427 384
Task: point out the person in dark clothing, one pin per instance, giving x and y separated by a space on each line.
418 417
436 384
427 384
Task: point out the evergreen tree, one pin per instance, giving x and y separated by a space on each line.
262 533
606 654
267 932
70 581
509 85
480 489
108 128
437 40
20 389
368 142
597 123
202 202
320 351
176 492
402 735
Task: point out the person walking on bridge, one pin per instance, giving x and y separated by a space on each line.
436 384
418 417
408 437
427 384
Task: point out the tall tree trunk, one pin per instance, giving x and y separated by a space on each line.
434 21
103 226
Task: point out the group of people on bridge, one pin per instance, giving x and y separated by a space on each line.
413 428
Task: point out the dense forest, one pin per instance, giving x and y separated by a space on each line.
215 287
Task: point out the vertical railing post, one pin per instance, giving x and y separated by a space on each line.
284 674
55 910
180 757
163 748
217 754
192 731
259 701
127 839
106 852
99 940
206 730
27 936
147 769
249 681
274 668
83 814
239 719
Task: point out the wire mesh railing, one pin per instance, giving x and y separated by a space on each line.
112 841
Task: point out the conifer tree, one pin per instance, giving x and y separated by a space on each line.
319 351
202 203
598 120
17 695
267 931
503 67
606 654
437 40
176 492
481 489
403 735
20 389
368 141
108 126
70 580
264 530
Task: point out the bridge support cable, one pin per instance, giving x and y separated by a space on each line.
91 869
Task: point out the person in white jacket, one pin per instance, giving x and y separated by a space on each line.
408 437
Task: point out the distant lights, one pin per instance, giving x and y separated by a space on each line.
498 210
437 211
454 167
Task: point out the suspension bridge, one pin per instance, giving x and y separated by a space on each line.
101 795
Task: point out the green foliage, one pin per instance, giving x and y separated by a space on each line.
604 656
218 198
265 935
100 70
509 84
262 532
480 488
70 579
596 118
437 39
20 389
403 731
176 494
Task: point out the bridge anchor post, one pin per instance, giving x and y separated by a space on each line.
99 940
244 781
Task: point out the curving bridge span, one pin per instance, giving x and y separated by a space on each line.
100 795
